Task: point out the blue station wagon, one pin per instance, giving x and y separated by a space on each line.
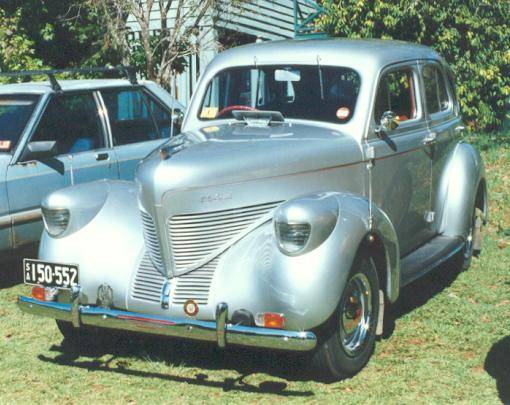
57 134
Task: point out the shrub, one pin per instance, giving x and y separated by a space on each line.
472 35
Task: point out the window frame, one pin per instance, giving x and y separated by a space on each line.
145 95
47 102
266 65
443 113
410 124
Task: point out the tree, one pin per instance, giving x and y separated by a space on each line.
182 30
16 49
472 35
60 33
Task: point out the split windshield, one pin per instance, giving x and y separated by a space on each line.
313 92
15 111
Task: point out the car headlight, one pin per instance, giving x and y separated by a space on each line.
292 238
304 223
55 220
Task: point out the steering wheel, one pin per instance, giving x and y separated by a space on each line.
235 107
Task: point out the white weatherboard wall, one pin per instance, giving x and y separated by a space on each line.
264 19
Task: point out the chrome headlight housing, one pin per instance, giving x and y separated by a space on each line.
303 224
56 220
292 238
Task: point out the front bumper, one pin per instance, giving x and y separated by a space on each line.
218 331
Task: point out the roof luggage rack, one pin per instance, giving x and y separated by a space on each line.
127 71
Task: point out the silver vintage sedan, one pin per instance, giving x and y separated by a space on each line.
312 181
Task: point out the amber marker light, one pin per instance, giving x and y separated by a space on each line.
270 320
38 293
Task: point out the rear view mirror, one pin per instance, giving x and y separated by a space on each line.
284 75
39 150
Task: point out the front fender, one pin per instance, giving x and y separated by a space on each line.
463 175
255 275
108 247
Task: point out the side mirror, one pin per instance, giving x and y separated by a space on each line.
39 150
389 122
178 118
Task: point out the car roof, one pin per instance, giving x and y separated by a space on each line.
354 53
42 87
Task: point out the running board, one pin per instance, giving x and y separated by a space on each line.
429 256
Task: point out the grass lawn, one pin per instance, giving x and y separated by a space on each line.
448 340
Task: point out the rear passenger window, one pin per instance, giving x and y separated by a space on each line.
131 120
396 93
436 96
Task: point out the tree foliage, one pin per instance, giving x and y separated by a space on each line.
472 35
16 48
53 33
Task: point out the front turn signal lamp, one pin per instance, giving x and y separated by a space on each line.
270 320
56 220
44 293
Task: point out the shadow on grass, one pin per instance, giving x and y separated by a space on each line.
420 292
121 349
497 364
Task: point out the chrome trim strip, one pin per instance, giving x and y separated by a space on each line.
176 327
20 218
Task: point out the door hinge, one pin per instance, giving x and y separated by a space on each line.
430 216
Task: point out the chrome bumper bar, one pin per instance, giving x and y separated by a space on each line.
218 331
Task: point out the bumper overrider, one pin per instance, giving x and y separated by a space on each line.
218 331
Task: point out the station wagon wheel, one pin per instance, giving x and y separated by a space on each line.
347 339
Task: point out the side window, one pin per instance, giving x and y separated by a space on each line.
436 96
162 117
396 93
130 117
72 120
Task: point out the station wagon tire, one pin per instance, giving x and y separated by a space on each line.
347 340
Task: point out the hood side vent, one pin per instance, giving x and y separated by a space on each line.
152 241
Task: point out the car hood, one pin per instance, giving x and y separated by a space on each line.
234 153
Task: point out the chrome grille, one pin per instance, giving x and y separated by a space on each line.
151 240
194 285
148 282
195 236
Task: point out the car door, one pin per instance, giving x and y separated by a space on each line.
73 121
132 116
443 121
400 177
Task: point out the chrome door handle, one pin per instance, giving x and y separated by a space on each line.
460 128
102 156
430 139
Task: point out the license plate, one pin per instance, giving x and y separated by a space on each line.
36 272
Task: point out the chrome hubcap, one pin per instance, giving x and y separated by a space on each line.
356 314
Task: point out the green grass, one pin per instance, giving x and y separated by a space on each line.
448 339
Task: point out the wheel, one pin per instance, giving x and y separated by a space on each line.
347 340
473 241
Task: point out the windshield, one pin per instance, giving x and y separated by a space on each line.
320 93
15 111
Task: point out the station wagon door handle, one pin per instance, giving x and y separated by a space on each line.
102 156
430 139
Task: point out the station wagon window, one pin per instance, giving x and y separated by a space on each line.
436 96
320 93
396 93
15 111
162 117
72 120
131 117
